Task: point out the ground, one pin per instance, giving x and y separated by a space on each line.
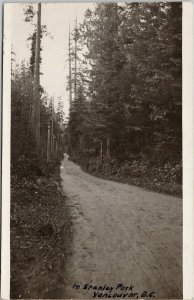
81 229
121 234
40 238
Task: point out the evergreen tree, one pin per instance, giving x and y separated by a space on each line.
130 78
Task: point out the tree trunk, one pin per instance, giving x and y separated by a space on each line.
80 142
75 75
56 149
36 87
54 146
52 125
52 139
70 79
108 147
101 150
48 142
59 142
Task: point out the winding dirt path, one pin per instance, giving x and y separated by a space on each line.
121 234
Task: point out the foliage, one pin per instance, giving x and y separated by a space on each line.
25 160
34 190
40 237
128 106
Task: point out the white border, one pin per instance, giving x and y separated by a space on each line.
5 237
188 151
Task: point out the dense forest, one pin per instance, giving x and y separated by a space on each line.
124 124
37 123
125 85
37 202
25 155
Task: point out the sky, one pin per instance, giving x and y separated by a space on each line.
57 17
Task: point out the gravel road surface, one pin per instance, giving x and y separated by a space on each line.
122 235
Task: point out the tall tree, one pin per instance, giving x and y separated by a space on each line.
70 73
36 88
75 59
129 75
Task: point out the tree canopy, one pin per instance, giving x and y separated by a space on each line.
129 102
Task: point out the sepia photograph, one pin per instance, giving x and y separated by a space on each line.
96 150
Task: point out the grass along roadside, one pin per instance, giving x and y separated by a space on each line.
41 236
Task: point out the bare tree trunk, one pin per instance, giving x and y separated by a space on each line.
48 142
101 150
29 119
54 144
52 135
75 75
70 79
108 147
52 139
36 87
56 148
59 142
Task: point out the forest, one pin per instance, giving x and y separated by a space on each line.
125 86
37 128
125 93
37 124
124 124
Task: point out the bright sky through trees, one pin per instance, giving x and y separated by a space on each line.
57 17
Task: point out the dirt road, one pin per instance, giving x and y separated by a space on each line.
121 235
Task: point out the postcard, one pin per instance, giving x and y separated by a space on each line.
97 151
